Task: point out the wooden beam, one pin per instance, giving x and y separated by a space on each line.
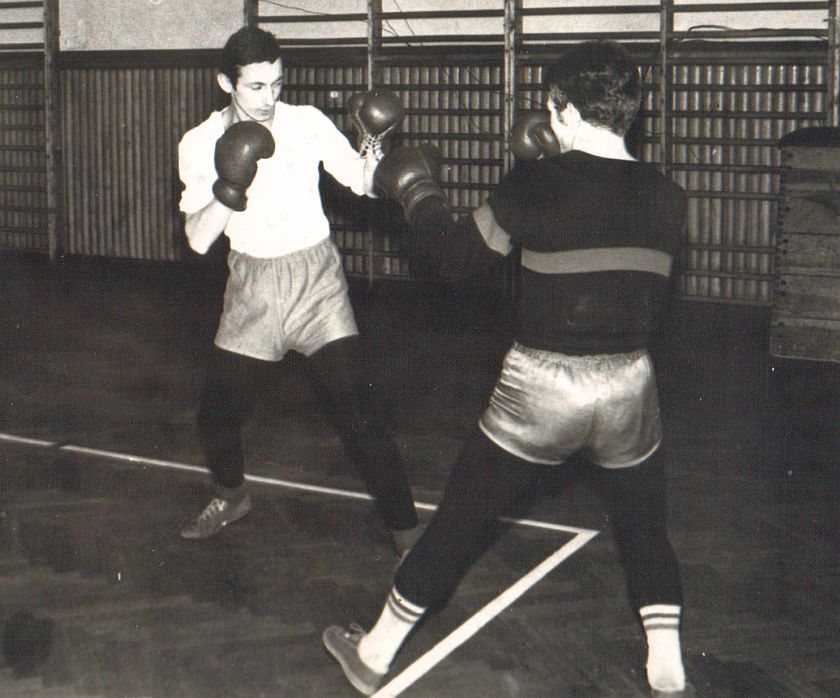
52 142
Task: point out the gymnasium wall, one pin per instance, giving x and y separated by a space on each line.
129 85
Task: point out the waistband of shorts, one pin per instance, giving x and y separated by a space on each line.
589 359
318 247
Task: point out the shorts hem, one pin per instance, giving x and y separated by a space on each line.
629 464
514 451
279 357
330 339
250 354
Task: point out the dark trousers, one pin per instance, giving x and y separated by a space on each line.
488 482
230 396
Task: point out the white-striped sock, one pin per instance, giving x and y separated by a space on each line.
665 670
378 648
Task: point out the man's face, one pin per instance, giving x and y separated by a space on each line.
255 94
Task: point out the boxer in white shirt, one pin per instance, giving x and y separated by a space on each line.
250 171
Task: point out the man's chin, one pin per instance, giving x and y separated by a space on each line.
260 117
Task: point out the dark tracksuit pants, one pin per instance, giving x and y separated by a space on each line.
229 398
488 482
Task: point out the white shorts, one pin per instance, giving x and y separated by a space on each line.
295 302
547 406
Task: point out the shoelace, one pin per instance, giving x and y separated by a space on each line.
371 147
216 506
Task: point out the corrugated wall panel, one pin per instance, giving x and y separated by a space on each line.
457 107
726 120
24 204
23 166
121 128
120 133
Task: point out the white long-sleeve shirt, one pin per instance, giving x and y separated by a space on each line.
284 211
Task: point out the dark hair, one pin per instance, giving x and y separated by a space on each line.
245 46
601 80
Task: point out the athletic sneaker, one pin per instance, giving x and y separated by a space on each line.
216 515
343 644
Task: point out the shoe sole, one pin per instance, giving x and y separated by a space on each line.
355 680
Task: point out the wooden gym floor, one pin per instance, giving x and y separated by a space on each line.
99 596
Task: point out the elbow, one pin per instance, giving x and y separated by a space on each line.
196 243
199 249
197 246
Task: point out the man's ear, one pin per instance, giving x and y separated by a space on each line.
224 82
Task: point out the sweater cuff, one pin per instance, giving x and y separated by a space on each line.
431 210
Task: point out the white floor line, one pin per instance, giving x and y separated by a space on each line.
173 465
24 440
476 622
451 642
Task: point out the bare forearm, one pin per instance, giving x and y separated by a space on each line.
205 225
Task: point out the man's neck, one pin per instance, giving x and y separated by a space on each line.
600 142
229 116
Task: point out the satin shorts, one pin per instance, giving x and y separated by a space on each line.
546 406
295 302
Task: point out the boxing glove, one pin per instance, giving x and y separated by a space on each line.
531 137
237 153
410 175
375 114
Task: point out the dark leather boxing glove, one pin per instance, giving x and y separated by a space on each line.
375 114
531 137
237 152
410 175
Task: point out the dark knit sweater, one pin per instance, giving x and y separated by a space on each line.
597 238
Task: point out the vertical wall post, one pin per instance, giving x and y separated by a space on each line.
374 47
250 13
833 81
51 140
666 28
511 29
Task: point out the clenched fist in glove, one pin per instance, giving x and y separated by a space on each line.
237 152
410 175
375 114
531 137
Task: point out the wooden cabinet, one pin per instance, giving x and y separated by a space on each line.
806 298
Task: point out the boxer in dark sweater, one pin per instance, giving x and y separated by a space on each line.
598 232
